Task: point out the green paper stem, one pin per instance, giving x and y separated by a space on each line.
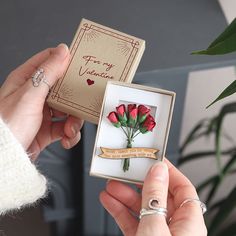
127 160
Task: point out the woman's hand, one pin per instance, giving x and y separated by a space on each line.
23 107
165 183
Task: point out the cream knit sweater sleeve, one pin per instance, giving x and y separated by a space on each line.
20 182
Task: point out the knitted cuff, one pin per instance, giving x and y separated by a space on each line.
20 182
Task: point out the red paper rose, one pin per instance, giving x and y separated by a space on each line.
147 125
121 110
131 107
112 117
132 120
143 111
132 115
122 114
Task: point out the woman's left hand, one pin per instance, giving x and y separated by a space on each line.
23 106
170 189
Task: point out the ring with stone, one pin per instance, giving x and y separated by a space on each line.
39 77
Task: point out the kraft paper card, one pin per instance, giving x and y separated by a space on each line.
98 54
133 131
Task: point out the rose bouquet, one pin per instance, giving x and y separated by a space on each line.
133 120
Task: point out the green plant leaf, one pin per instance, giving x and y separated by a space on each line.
211 125
228 108
221 201
230 30
195 133
223 212
207 182
214 188
225 47
224 43
197 155
216 205
194 156
212 181
231 89
219 180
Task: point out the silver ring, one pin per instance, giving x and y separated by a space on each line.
202 205
158 211
153 203
154 209
39 77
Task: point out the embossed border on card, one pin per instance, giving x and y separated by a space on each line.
127 45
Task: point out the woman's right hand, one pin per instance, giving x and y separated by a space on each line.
24 109
167 184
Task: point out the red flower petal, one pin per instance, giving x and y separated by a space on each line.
133 113
113 117
143 110
149 123
120 110
131 107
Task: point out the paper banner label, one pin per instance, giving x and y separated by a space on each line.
138 152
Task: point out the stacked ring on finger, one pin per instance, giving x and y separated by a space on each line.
154 209
39 77
202 205
158 211
191 200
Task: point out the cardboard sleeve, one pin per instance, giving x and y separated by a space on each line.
98 54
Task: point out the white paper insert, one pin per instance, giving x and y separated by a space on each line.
111 137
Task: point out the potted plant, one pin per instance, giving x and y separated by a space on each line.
223 44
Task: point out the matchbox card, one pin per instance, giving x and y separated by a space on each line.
133 131
98 54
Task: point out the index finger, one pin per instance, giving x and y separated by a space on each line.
22 73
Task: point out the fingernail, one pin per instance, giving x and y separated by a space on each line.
75 129
61 50
159 171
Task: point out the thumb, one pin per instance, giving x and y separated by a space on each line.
156 187
53 68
